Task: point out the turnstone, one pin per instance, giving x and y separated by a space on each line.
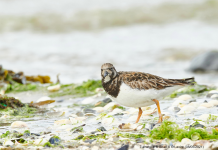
138 89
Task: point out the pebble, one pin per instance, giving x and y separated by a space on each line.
202 143
205 117
194 100
55 140
186 110
63 121
98 109
194 104
115 111
8 143
177 109
88 110
207 105
54 88
205 101
88 100
79 114
19 124
139 140
214 96
197 126
107 100
149 126
107 120
102 129
95 148
185 97
109 105
44 98
177 102
213 102
40 141
125 147
187 141
213 91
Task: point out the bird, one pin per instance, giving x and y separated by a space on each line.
139 89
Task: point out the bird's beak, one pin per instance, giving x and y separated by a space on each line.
105 73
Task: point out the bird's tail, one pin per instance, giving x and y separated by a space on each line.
187 81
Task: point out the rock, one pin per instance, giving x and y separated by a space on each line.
89 141
63 121
102 129
176 109
109 105
185 97
88 110
95 148
19 124
98 109
206 117
214 146
186 110
35 134
40 141
207 61
213 102
149 126
213 92
44 98
177 102
187 141
202 143
107 120
194 100
207 105
205 101
54 88
88 100
196 126
115 111
79 114
201 107
107 100
55 140
194 104
125 147
128 126
8 143
139 140
214 96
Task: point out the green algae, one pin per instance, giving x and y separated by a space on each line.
17 87
131 135
87 88
48 144
9 102
196 89
171 130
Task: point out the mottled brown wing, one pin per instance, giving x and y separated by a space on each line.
143 81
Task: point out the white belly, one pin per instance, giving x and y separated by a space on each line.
139 98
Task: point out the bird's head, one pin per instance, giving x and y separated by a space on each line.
108 72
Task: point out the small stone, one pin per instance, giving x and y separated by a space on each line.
44 98
214 96
90 115
149 126
197 126
177 102
63 121
177 109
205 101
102 129
187 141
213 91
109 105
19 124
89 141
54 88
55 140
184 97
98 109
194 100
79 114
204 117
202 142
125 147
88 110
194 104
107 120
107 100
8 143
40 141
95 148
36 134
186 110
213 102
115 111
207 105
88 100
139 140
128 126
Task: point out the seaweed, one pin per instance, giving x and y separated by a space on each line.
87 88
171 130
196 89
11 102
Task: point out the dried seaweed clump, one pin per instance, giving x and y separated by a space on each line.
12 102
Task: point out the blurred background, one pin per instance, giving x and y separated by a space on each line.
74 38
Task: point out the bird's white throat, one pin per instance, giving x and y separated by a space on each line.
106 79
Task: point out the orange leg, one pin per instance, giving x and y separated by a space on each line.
159 111
139 115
